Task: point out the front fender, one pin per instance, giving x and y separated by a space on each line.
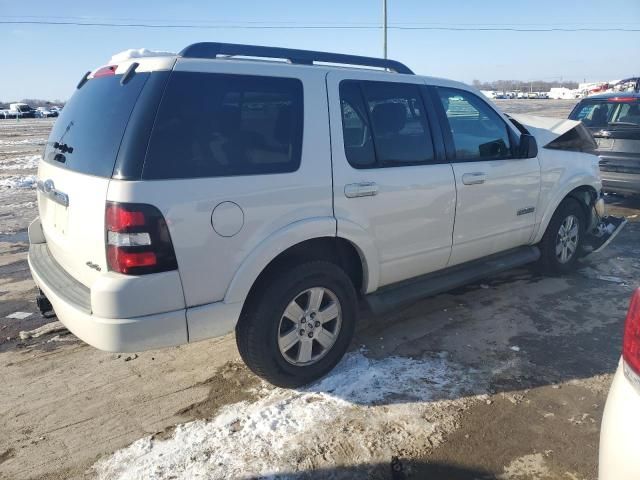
273 246
558 195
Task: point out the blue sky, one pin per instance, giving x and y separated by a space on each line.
46 61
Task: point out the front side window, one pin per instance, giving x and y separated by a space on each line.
478 131
215 125
384 124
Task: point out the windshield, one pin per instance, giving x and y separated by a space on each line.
607 113
87 134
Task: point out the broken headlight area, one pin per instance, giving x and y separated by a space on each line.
603 233
576 139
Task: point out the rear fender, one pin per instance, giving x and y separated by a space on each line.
273 246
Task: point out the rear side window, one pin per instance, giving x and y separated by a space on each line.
91 125
384 124
216 125
478 131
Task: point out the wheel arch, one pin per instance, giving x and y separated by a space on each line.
303 241
585 194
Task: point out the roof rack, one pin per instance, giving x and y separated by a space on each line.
304 57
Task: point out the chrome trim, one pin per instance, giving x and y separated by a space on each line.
48 189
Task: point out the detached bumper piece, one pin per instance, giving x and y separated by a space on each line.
604 233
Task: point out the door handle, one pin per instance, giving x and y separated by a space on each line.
362 189
475 178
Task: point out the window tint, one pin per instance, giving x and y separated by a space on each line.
358 144
394 115
92 124
593 114
602 113
478 131
211 125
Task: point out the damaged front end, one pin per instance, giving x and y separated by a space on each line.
566 135
603 229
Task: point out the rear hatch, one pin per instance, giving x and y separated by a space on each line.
614 122
79 160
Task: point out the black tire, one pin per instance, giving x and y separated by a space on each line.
549 259
259 327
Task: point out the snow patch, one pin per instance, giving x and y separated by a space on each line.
138 53
365 409
19 181
21 163
19 315
26 141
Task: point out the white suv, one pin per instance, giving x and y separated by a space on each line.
184 197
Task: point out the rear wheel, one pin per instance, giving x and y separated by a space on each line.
300 323
562 242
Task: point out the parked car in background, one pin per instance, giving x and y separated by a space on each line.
6 114
618 457
614 121
226 194
43 112
22 110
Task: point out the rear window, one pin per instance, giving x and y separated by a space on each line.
215 125
606 113
92 123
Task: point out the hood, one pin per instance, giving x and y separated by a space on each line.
556 133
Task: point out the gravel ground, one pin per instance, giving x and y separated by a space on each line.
503 379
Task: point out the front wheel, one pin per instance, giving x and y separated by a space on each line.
561 244
299 325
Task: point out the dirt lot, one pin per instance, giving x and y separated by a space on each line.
503 379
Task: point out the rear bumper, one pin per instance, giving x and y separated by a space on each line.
114 315
110 334
618 457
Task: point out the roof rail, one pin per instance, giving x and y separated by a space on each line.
304 57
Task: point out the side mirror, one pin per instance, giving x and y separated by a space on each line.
528 146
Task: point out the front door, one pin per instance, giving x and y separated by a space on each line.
497 192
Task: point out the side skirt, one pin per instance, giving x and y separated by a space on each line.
414 289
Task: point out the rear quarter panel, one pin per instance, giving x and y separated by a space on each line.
208 262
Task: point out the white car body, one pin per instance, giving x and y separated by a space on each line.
420 219
618 455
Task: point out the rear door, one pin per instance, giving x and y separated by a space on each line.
391 180
497 192
78 163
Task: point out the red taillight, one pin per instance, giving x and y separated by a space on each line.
128 260
105 71
121 219
138 240
631 341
